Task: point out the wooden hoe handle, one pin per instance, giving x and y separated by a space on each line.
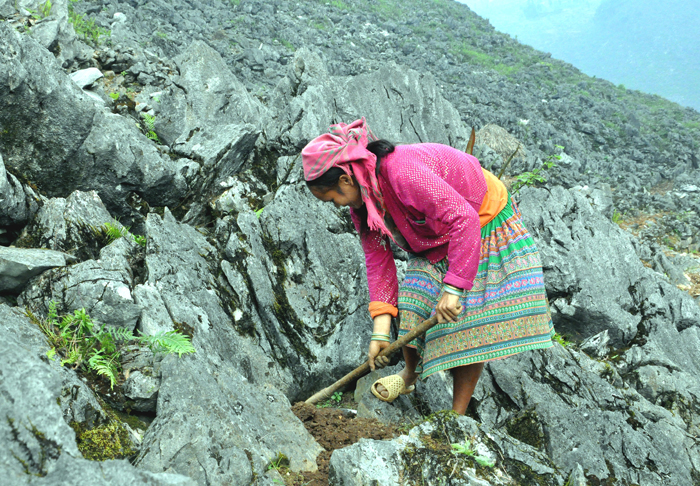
363 369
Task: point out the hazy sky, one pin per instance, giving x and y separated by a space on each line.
630 42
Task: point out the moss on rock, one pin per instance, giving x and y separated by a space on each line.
104 442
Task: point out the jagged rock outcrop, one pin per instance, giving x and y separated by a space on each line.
18 203
37 445
213 423
435 453
18 266
102 287
400 104
53 135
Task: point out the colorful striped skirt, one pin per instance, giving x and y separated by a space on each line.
506 311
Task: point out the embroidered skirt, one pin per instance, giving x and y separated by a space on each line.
506 311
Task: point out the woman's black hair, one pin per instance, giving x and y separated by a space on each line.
329 179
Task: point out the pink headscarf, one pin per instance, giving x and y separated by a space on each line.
345 147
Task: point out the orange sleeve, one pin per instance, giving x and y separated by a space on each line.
379 308
495 199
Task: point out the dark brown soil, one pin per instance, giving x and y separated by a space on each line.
334 430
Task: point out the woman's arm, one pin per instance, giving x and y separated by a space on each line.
381 269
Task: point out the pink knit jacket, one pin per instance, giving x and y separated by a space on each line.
433 193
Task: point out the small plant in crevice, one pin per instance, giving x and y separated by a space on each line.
561 340
537 175
88 346
45 8
280 462
467 450
617 217
110 232
86 27
149 122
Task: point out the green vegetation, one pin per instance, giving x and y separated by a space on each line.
617 217
333 401
90 347
110 232
105 442
561 340
114 96
535 176
279 462
85 27
150 123
45 8
162 35
287 44
468 451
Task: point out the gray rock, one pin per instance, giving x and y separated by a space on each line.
400 105
664 266
436 391
18 202
86 77
582 286
19 265
142 390
577 477
36 444
57 34
597 346
426 455
218 411
206 96
155 317
80 146
205 422
102 287
561 402
69 225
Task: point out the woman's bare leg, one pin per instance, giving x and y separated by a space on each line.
465 379
409 375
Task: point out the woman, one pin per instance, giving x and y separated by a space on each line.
473 263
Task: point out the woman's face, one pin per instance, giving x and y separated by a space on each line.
346 193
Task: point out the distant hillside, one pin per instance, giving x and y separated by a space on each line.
642 44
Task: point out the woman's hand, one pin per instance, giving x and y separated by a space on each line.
377 362
448 308
382 325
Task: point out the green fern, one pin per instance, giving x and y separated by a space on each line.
80 342
105 365
170 342
150 122
120 334
109 232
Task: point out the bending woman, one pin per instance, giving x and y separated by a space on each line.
472 263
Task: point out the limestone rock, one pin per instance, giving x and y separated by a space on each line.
47 117
427 455
18 203
36 444
19 265
102 287
85 77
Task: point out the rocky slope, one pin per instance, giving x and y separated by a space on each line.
188 132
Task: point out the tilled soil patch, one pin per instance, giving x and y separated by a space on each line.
334 429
